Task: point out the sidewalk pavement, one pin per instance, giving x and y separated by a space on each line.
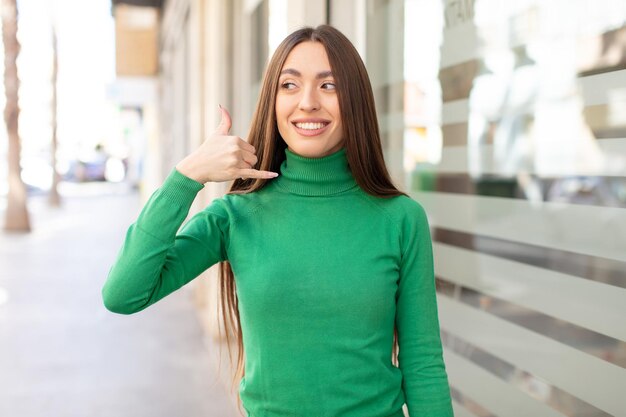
62 354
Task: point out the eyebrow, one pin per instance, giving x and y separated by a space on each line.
294 72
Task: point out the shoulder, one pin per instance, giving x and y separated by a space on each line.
407 216
401 209
235 206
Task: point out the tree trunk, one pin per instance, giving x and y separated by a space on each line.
17 218
54 198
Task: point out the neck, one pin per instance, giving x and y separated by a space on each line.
327 175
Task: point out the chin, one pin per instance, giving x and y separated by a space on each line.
312 149
309 151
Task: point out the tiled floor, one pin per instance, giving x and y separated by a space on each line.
63 354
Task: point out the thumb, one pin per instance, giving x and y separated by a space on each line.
225 123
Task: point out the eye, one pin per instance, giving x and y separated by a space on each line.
288 85
329 86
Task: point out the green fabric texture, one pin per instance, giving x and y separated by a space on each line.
323 272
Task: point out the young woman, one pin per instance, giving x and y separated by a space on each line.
326 271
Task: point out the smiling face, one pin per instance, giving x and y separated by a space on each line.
307 106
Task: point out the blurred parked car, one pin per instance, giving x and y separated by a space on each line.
88 167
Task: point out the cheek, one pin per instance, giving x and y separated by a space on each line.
333 108
282 111
337 116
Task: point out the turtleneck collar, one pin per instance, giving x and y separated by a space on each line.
315 176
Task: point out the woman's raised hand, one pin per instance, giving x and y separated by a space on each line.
222 157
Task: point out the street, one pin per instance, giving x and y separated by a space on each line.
62 354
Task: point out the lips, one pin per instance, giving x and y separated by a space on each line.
310 127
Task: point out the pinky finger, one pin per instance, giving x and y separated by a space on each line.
255 173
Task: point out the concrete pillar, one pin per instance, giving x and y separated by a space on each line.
305 13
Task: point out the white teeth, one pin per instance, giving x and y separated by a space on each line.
310 126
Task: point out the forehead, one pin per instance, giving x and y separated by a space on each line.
308 58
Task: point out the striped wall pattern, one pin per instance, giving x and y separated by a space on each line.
530 256
530 251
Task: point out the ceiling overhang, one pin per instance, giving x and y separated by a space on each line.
141 3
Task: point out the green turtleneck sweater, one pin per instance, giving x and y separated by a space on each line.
323 271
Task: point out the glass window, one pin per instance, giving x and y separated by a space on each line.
507 122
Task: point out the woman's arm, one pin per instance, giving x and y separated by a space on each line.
154 260
425 381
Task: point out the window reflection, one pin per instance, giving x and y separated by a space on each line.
526 102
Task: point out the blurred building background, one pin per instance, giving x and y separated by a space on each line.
505 120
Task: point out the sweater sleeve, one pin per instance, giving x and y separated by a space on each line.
155 258
420 356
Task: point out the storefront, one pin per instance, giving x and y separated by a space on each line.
507 122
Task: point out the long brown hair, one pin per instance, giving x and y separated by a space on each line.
361 140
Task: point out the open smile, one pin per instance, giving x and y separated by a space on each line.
310 128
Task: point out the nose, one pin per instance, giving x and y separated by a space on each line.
309 101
